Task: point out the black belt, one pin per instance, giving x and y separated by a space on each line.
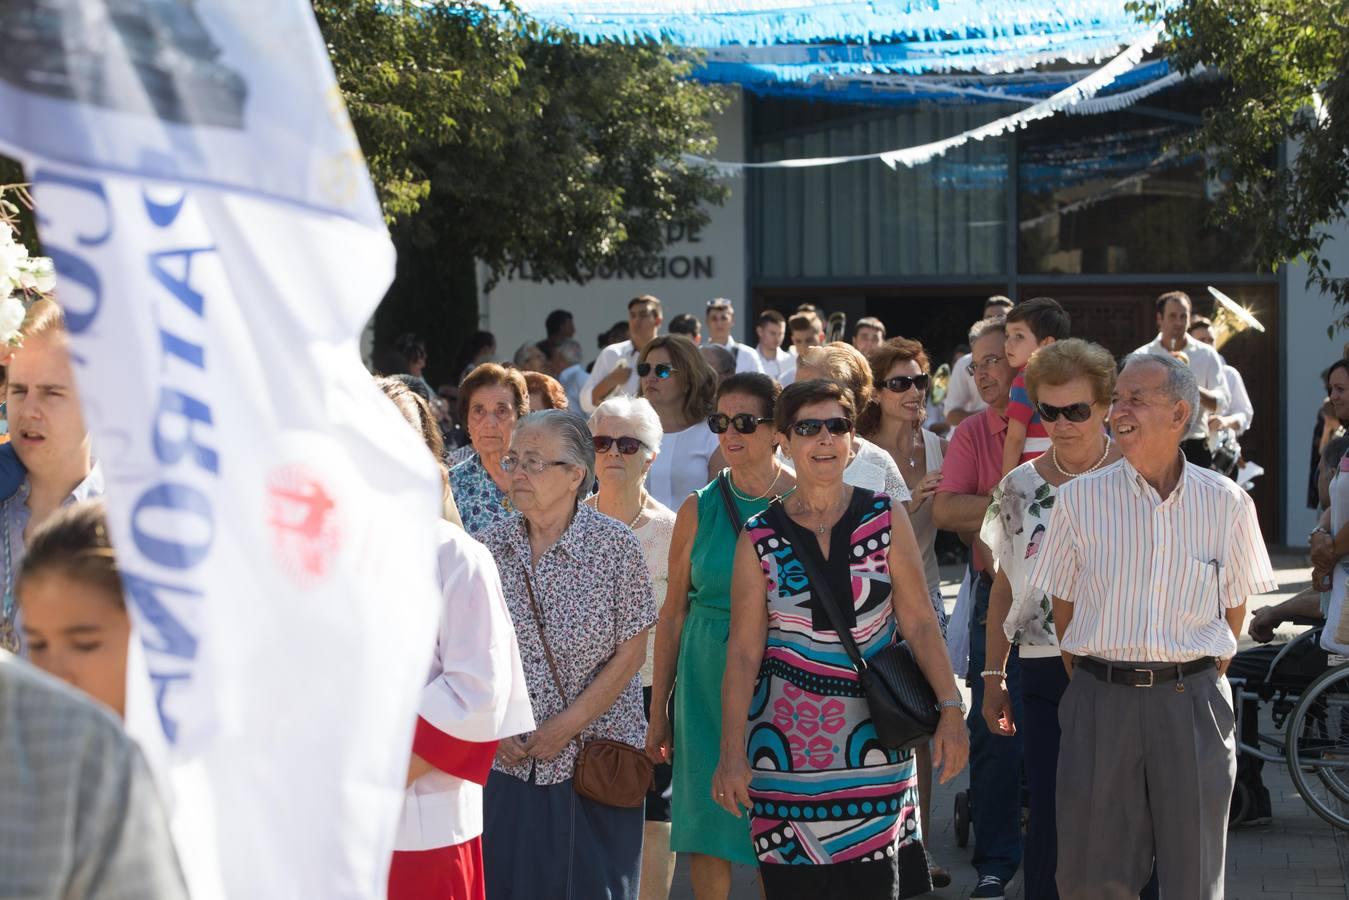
1125 673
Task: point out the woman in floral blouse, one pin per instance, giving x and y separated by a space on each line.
1070 382
491 400
578 580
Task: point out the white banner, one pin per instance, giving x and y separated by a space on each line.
218 250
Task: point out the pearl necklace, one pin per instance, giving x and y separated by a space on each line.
1054 458
776 477
641 508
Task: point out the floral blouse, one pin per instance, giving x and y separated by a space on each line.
1014 529
481 503
595 593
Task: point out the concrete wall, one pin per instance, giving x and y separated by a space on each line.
694 269
1307 351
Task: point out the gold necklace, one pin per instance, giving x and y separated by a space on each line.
776 477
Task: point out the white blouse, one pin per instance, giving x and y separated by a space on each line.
1018 518
681 466
655 534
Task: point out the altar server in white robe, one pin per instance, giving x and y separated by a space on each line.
475 695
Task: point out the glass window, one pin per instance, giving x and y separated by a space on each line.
1111 194
947 217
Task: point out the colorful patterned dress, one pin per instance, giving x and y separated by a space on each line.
828 799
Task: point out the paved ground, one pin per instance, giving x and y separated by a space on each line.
1296 856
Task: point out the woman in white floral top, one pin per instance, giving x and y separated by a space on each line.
1071 383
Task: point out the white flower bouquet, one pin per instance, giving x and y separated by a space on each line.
24 279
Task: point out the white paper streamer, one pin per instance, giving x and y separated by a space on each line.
1074 95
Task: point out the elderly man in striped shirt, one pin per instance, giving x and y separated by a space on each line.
1150 562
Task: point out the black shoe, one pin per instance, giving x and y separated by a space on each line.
990 887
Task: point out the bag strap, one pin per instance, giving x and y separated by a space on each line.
777 517
724 482
543 639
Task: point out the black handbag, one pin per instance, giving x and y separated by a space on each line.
903 705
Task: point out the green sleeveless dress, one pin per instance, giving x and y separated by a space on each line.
698 825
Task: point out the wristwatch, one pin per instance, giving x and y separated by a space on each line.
1320 529
954 703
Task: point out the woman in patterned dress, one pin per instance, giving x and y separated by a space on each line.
833 813
1069 378
491 400
694 626
627 438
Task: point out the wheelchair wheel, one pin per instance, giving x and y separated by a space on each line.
1318 742
962 819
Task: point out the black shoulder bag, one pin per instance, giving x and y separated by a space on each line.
902 703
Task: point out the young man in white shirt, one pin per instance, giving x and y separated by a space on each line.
776 362
1238 413
616 367
1173 325
720 320
869 336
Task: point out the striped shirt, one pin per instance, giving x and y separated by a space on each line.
1150 579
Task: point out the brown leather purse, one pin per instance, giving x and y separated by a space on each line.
608 772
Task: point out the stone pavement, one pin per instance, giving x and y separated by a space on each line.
1298 855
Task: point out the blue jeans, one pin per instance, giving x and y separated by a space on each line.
1043 681
995 761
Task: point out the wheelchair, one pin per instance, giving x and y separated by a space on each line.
1310 711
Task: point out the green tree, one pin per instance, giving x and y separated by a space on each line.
490 140
1286 68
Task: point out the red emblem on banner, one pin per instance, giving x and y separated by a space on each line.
305 532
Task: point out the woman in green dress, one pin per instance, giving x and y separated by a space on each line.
694 625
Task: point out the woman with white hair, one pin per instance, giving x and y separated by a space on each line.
627 433
581 601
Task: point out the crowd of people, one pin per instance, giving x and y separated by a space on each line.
657 570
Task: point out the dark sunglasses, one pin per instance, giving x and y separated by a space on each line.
743 422
662 370
901 383
1077 412
626 445
811 427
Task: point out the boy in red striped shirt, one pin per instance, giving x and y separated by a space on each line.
1031 325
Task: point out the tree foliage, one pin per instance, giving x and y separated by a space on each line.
1286 68
490 139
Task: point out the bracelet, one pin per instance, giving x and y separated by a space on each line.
987 672
1320 529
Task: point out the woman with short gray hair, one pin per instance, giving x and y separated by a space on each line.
627 439
581 600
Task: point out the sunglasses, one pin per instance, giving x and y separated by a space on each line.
1076 412
661 369
743 422
626 445
900 384
811 427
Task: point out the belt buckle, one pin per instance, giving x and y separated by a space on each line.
1152 677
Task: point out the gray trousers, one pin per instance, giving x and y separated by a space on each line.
1144 772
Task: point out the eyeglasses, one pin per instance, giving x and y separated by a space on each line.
661 369
901 383
626 445
533 465
743 422
811 427
1074 412
987 363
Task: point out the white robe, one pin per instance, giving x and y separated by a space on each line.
475 695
